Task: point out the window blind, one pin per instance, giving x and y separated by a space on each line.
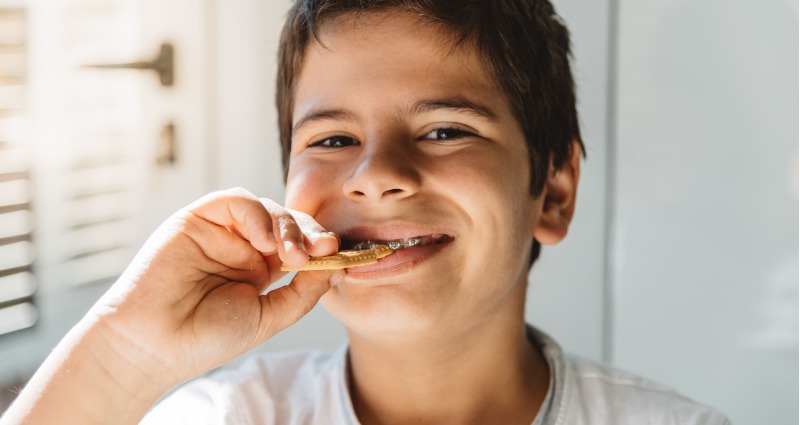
17 253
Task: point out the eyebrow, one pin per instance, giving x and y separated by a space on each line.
455 104
324 115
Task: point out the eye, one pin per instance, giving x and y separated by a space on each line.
334 142
447 134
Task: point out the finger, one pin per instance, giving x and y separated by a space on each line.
240 211
274 269
226 253
290 240
284 306
319 242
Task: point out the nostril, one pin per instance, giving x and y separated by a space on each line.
393 191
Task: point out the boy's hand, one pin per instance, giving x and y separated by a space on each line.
191 299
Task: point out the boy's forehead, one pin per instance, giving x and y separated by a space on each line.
394 22
363 30
391 51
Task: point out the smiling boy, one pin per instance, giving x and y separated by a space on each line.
451 122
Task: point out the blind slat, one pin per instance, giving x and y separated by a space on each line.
16 317
17 286
16 223
15 255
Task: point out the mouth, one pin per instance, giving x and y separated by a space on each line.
408 254
398 244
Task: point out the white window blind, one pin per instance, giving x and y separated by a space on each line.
89 167
17 253
70 158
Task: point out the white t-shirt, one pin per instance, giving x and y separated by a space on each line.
310 387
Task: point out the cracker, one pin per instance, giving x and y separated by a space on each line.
343 259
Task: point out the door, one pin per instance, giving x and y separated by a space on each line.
177 120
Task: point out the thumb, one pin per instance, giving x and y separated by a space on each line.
284 306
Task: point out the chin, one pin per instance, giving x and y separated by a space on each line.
386 316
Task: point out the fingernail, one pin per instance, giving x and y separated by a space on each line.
316 236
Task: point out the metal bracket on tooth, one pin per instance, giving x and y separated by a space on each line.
408 243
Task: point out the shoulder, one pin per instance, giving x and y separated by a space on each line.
286 388
609 395
588 392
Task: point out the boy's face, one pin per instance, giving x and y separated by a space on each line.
396 135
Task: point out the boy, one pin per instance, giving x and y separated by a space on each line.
449 123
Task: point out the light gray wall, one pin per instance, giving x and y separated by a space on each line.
705 230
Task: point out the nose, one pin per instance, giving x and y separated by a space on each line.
385 171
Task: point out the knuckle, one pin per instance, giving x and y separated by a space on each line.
287 223
239 192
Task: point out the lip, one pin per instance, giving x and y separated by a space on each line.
390 231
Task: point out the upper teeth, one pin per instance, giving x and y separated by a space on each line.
395 245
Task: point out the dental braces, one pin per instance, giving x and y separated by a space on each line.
394 245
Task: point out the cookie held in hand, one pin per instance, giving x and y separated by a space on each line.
344 259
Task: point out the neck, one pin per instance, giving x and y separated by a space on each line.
488 373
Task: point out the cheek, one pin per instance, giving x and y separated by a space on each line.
307 184
489 186
492 193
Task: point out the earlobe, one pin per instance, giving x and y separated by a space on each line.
558 199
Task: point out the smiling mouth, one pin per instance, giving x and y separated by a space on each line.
397 244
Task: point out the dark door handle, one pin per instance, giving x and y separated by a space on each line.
163 64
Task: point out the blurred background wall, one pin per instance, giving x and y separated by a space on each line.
682 262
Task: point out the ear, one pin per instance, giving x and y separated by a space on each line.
557 199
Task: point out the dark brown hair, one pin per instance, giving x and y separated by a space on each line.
524 43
